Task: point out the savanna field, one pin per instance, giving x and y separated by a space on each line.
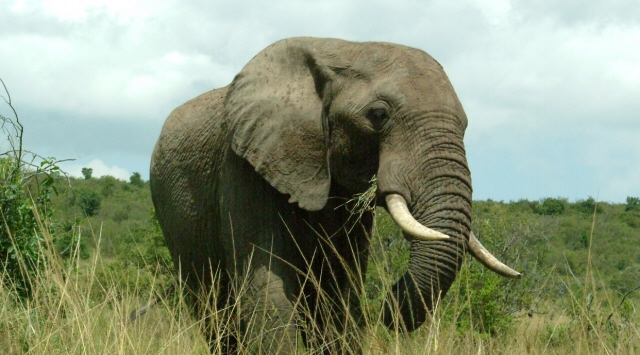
78 255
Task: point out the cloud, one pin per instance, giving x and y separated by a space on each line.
96 78
80 11
78 57
99 169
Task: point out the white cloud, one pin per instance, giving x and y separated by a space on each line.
107 69
497 12
553 74
79 11
99 169
533 71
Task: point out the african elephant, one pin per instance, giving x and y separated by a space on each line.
249 183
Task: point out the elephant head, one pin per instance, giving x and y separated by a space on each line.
310 114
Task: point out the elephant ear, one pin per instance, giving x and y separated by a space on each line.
275 108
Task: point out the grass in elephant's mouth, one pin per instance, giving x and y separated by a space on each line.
83 307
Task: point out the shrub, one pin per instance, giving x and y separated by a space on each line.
551 207
633 204
108 185
89 201
69 240
136 180
485 299
25 210
144 248
121 214
588 206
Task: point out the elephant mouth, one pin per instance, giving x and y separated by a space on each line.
414 230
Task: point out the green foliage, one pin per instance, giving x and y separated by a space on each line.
86 172
627 276
633 204
588 206
18 238
551 207
631 214
550 248
490 302
631 219
108 185
89 201
136 180
145 248
484 297
69 240
25 209
128 235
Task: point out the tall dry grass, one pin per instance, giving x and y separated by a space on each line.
81 307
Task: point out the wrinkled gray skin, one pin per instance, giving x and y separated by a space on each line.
253 176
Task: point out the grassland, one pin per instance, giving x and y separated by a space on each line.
577 295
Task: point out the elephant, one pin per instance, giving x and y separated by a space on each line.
250 184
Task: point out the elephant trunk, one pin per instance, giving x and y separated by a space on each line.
438 194
432 268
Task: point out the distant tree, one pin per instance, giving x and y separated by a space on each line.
136 180
108 185
89 201
588 206
86 172
551 207
633 204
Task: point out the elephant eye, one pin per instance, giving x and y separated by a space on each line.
378 116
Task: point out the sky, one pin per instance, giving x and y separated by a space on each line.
551 89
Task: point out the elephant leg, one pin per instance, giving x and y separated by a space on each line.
268 320
218 327
335 312
354 254
337 321
209 299
218 324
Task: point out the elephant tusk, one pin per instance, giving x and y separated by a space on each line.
487 259
399 211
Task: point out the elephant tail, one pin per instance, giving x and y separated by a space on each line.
141 311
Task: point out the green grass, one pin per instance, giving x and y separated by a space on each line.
82 307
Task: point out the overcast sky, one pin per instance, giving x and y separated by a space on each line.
551 89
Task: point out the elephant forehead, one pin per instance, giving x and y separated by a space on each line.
381 57
430 88
396 70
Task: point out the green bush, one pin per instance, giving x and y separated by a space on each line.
484 302
25 207
136 180
19 241
108 185
144 248
631 218
633 204
551 207
484 298
69 240
89 201
588 206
